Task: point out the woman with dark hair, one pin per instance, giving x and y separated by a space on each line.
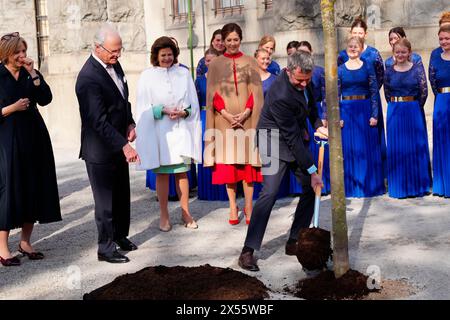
371 56
439 74
216 43
169 129
318 84
395 34
363 171
206 190
28 187
292 47
233 103
405 88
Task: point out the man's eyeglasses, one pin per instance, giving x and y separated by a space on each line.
115 52
9 36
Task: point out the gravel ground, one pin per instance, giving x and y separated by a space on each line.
407 240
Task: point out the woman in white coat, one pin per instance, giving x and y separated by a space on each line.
169 128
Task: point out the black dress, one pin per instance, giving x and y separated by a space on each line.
28 187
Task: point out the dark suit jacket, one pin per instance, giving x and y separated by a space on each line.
105 114
286 109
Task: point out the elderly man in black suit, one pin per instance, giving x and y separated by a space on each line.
283 138
107 128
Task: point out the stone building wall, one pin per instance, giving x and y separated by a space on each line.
72 25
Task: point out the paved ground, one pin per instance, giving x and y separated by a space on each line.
407 239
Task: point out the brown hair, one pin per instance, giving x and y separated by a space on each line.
359 22
266 39
404 43
357 39
163 43
212 51
445 18
229 28
9 44
444 28
215 33
260 50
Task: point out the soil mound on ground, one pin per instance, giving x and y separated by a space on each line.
352 285
182 283
313 248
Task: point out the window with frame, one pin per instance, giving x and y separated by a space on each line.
228 7
268 4
180 10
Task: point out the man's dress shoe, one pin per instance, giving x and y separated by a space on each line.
114 257
248 262
126 245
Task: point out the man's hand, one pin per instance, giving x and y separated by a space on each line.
130 154
316 181
131 133
323 132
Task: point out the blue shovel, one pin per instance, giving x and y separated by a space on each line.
323 140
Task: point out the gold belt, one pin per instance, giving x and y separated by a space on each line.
403 99
444 90
203 108
361 97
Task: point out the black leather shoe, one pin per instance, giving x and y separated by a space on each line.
114 257
126 245
291 249
248 262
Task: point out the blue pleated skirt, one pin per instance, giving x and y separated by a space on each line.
381 136
361 148
407 151
441 145
294 186
206 190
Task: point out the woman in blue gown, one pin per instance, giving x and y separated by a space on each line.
405 88
262 57
371 56
394 35
439 74
318 82
206 190
363 170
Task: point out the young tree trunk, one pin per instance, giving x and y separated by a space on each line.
339 232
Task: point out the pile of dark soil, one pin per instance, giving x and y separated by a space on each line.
182 283
313 248
352 285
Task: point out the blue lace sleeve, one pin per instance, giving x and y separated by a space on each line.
324 96
374 89
432 76
379 69
340 59
387 85
423 88
201 67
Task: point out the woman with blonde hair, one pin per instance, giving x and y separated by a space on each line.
28 187
268 43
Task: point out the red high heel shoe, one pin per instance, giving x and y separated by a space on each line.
234 222
247 221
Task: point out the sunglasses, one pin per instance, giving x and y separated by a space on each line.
113 52
9 36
